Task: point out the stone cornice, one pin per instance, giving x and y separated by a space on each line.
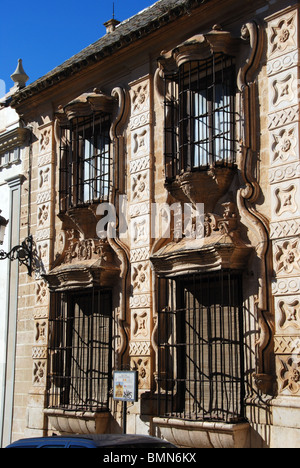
13 139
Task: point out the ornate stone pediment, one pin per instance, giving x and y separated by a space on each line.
85 104
83 263
199 47
219 247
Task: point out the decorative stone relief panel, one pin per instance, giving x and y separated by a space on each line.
281 173
283 34
282 63
140 229
43 217
45 178
285 286
141 301
286 228
286 197
284 89
44 234
141 277
284 145
140 325
45 140
289 374
288 312
284 178
39 373
287 257
283 117
140 142
143 366
41 293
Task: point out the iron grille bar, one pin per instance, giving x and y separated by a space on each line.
80 351
85 161
200 348
200 116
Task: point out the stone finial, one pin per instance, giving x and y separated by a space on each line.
19 76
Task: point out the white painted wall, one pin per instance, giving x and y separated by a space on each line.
9 120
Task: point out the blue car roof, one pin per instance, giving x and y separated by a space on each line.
98 440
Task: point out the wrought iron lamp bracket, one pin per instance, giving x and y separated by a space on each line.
23 253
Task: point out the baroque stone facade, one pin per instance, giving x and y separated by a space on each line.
208 309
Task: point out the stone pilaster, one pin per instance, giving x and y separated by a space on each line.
43 238
140 229
284 177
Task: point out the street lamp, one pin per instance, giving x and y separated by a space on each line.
23 253
3 224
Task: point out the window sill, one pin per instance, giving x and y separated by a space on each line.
78 422
198 434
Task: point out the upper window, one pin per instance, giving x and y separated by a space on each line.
200 115
85 161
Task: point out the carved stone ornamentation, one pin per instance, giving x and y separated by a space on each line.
140 324
289 375
284 177
288 313
282 35
287 257
286 200
143 366
284 145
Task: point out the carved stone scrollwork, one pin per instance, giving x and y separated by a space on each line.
246 199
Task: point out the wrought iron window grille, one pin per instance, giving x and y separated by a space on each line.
200 348
80 351
85 161
200 115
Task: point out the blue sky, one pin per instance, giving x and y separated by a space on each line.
45 34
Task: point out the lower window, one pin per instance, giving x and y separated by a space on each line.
80 351
200 343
